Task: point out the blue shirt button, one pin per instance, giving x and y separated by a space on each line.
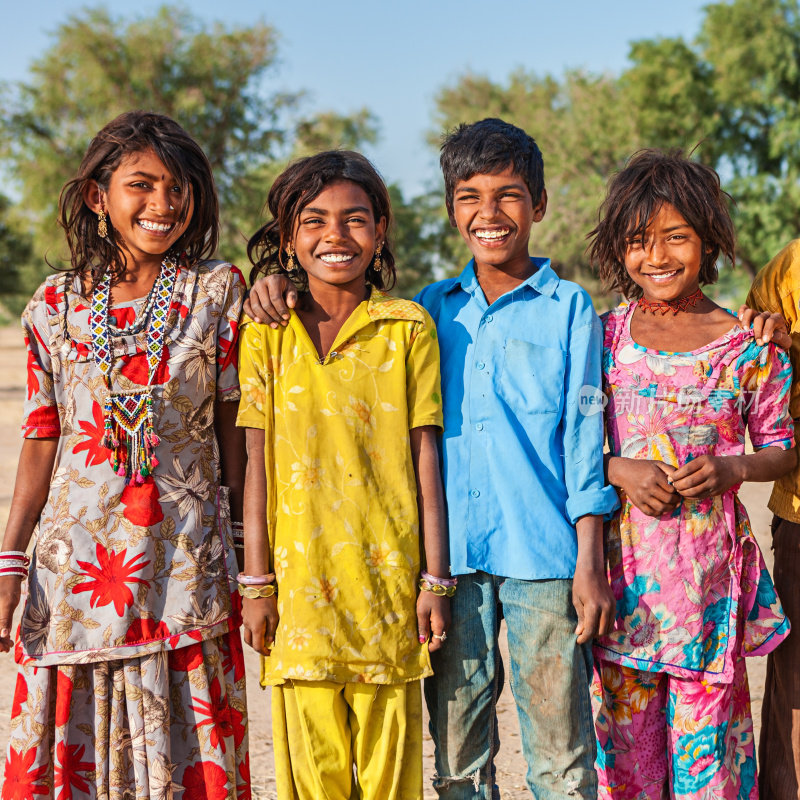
488 317
475 493
480 365
479 426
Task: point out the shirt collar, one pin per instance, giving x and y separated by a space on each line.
544 280
383 306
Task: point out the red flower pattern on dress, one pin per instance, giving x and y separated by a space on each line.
232 656
243 792
142 506
223 721
64 689
67 770
33 370
20 782
185 659
134 368
93 433
146 630
111 578
43 421
205 781
20 696
53 297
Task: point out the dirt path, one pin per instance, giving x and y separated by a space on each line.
510 763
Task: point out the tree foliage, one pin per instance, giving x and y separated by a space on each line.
214 80
731 96
735 92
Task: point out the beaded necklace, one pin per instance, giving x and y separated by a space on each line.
679 304
128 429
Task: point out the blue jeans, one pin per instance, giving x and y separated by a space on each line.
550 679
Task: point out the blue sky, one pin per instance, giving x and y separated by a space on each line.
394 57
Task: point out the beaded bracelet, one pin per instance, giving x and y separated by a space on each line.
253 592
255 580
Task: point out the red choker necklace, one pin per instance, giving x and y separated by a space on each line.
662 306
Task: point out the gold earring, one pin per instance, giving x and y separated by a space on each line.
102 227
377 264
291 264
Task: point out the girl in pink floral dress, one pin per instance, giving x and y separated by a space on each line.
684 383
131 676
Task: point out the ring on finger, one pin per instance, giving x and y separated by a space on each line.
441 637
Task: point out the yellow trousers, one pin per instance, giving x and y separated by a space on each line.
321 730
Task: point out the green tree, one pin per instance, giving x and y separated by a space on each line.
735 91
214 80
16 247
421 240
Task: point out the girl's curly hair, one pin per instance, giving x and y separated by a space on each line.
635 195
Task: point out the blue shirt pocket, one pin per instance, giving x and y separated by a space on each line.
532 378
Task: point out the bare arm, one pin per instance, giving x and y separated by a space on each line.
260 615
232 457
707 476
34 472
433 612
591 594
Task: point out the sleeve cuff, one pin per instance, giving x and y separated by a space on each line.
251 421
783 444
597 502
229 394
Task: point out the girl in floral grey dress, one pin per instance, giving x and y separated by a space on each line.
131 677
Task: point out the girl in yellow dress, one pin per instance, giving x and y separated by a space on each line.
342 408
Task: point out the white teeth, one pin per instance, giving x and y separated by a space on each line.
336 258
492 234
160 227
663 276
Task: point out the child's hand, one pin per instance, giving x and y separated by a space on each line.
707 476
433 619
594 602
260 617
766 327
646 484
10 589
270 299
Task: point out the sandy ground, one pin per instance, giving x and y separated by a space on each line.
510 762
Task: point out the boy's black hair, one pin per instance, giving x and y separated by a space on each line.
130 133
294 189
488 147
635 195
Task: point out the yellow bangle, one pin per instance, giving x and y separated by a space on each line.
254 592
436 588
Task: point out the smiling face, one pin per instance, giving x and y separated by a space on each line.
143 201
336 235
667 265
494 214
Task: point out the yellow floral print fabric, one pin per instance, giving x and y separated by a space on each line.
341 489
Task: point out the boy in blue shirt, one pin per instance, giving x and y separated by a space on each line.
523 465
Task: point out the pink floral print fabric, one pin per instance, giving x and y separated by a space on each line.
692 589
